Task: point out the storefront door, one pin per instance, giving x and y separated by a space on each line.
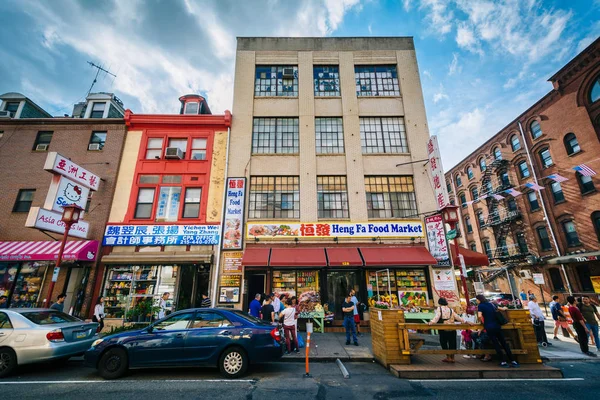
256 284
192 283
339 284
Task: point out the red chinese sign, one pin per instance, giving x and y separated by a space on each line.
65 167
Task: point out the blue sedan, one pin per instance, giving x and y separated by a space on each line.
229 339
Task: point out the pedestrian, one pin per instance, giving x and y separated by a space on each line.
60 303
348 311
268 313
486 313
289 327
560 319
579 326
276 304
356 315
445 315
99 313
523 296
206 303
162 305
537 318
255 306
3 301
590 313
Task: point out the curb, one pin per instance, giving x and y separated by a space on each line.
328 359
570 359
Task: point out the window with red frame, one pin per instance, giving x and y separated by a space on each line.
167 191
145 200
154 148
198 149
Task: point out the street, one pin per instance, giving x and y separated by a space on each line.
286 380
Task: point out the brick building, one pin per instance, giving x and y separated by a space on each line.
27 135
554 230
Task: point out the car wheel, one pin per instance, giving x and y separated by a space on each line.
113 364
233 363
8 361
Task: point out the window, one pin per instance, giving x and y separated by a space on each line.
522 243
191 107
586 184
198 149
98 138
473 246
376 80
544 239
205 320
487 248
488 188
176 322
458 181
503 178
480 219
279 80
274 197
5 322
169 198
482 166
181 144
571 144
149 179
143 207
383 135
191 205
524 169
511 204
571 233
534 205
448 187
536 129
515 143
24 200
468 225
463 200
556 278
557 192
12 107
497 153
596 222
474 194
43 138
49 317
332 197
452 202
390 196
327 80
545 158
154 148
595 91
470 174
275 136
97 110
329 135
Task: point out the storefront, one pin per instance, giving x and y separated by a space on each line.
584 273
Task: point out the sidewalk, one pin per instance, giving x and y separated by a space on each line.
326 347
564 349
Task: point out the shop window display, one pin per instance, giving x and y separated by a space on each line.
27 281
302 284
408 288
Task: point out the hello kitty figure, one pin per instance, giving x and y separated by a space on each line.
72 192
90 255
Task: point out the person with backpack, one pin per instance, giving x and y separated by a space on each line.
492 323
445 315
559 317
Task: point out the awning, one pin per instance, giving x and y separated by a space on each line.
385 256
298 257
576 258
472 258
79 250
256 257
343 257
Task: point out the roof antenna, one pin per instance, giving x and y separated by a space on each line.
98 72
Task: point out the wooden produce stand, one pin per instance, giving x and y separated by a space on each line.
385 337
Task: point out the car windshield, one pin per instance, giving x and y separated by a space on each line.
49 317
249 318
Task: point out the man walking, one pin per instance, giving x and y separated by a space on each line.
580 328
162 304
3 301
537 318
255 306
205 301
60 303
289 327
356 316
590 313
268 314
559 317
348 311
276 304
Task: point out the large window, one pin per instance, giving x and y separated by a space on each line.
458 181
504 179
468 225
545 158
511 204
390 197
497 153
586 183
145 200
596 222
487 248
169 200
329 135
522 243
24 200
191 205
595 91
542 233
557 192
198 149
154 148
376 80
524 169
534 205
97 140
327 80
482 165
556 278
463 199
536 129
470 174
383 135
448 187
571 144
12 107
274 197
42 139
480 219
276 81
515 143
571 233
332 197
97 110
275 136
474 194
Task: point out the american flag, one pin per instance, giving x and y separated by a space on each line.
534 186
483 197
498 197
513 192
584 170
557 178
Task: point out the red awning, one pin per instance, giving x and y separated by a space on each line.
80 250
472 258
343 257
298 257
256 257
384 256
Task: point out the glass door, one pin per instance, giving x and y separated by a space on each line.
339 284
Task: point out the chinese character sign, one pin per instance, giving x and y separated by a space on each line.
161 235
395 229
233 220
436 238
63 166
437 173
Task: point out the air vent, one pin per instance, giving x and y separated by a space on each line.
194 178
41 147
174 153
288 73
94 146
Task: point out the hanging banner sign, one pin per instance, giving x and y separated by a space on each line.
436 239
63 192
233 220
283 230
63 166
157 235
47 220
437 173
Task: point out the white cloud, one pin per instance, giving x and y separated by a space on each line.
440 95
370 28
454 67
427 74
465 38
593 35
438 16
406 4
460 135
336 9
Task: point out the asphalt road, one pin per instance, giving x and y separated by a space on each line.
285 381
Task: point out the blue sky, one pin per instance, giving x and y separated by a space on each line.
481 62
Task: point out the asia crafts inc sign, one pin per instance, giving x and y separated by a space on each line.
48 220
234 213
159 235
395 229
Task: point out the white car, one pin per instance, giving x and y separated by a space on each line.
29 335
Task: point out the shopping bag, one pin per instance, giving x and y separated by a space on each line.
300 341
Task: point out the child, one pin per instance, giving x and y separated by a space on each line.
467 342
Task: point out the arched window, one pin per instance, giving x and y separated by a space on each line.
571 144
463 200
596 223
458 181
448 187
482 166
470 173
536 129
522 243
481 220
468 224
487 248
524 169
497 153
473 246
595 92
556 278
571 233
474 194
544 238
545 157
557 192
515 143
586 183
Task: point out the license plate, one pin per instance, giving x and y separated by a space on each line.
81 335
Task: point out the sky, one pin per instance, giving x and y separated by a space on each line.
481 62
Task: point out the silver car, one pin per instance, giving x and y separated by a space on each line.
29 335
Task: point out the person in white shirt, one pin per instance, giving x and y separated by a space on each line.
537 317
289 327
99 313
163 305
276 304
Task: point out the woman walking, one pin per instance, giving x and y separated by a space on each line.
99 313
486 312
445 315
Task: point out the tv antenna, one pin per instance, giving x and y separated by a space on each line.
97 73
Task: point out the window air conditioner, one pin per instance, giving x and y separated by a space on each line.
174 152
41 147
525 274
94 146
288 72
6 114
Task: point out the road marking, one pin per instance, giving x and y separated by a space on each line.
499 380
125 381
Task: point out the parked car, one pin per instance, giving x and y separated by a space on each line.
30 335
229 339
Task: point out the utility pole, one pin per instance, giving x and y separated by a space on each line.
97 73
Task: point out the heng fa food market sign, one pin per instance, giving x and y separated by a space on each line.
395 229
155 235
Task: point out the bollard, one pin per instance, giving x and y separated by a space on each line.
307 375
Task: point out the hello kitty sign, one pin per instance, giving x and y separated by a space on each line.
66 192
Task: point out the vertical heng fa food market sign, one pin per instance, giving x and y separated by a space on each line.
436 238
437 173
233 215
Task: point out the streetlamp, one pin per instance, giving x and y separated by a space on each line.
450 216
70 216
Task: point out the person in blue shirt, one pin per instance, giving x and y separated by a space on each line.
255 306
486 312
